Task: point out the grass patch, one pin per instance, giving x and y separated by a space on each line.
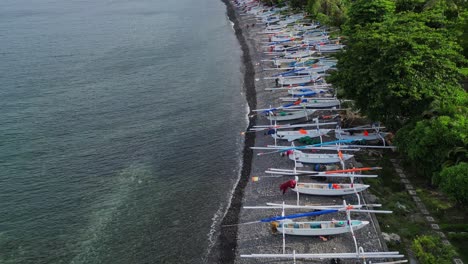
435 203
449 217
404 221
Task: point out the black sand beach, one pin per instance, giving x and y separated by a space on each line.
225 248
259 238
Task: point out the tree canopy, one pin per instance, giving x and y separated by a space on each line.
364 12
396 68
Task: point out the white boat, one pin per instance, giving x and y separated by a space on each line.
329 189
314 69
319 228
307 26
290 115
272 27
299 54
291 19
315 158
297 134
323 103
315 39
329 47
307 92
271 31
370 136
279 61
287 81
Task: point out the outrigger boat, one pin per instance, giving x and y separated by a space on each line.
350 133
329 189
316 102
329 47
299 54
316 158
319 228
286 226
290 115
305 26
297 134
286 81
351 225
323 189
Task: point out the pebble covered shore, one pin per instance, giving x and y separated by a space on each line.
259 238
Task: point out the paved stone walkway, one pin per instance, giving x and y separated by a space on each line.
430 220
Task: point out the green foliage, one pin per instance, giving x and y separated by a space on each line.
440 139
458 236
329 12
410 5
364 12
463 38
430 250
454 227
464 71
395 69
454 182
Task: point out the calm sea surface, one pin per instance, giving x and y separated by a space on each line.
120 127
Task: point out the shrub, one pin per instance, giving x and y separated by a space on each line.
431 250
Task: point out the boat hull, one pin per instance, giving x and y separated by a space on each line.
359 136
327 189
317 158
319 228
291 115
294 135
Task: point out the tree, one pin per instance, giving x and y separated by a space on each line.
364 12
454 182
440 139
395 69
410 5
330 12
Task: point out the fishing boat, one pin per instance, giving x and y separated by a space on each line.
307 92
299 54
291 19
316 158
321 103
272 27
297 134
314 63
365 135
287 81
278 61
318 228
305 26
313 69
329 47
310 40
289 115
329 189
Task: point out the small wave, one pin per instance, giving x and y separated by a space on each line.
217 217
222 210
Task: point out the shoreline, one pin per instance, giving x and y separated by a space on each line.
244 239
225 248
